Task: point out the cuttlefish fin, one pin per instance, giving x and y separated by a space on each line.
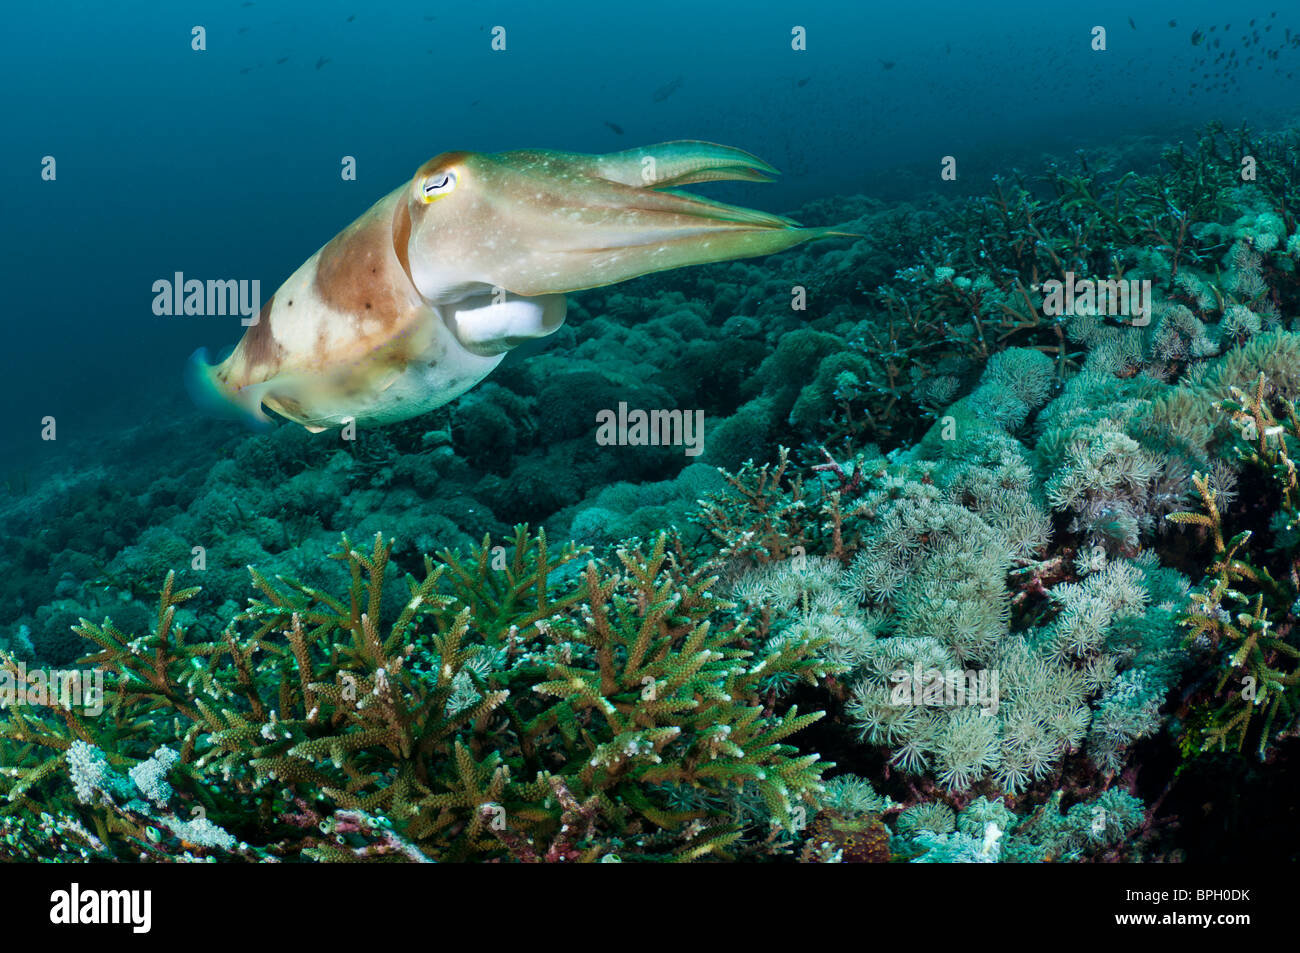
244 404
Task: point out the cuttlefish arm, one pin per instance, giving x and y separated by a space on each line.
540 222
422 296
666 165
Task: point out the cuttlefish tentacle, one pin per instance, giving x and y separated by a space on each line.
681 162
422 296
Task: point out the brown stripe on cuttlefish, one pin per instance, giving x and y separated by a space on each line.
393 354
258 348
402 239
357 274
441 161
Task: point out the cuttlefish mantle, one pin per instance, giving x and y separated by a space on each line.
422 296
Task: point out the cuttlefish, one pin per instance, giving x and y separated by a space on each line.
422 296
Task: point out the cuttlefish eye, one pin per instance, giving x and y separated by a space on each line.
437 186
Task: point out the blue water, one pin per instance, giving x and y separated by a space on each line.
225 163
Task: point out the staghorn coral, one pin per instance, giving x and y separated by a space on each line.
1242 620
439 734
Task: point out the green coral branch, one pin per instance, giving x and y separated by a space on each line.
1245 612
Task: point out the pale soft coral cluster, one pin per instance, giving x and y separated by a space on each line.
923 605
986 831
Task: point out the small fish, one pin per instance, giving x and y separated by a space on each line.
283 59
618 130
244 70
888 64
1132 24
242 29
322 61
249 3
804 81
663 92
351 18
1173 23
1197 37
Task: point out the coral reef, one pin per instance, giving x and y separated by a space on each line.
495 705
1020 562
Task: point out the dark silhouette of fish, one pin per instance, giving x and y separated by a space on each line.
804 81
242 29
322 61
618 130
1132 24
888 64
663 92
351 18
1197 37
283 59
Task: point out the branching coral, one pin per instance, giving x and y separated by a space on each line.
1244 616
440 734
964 560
